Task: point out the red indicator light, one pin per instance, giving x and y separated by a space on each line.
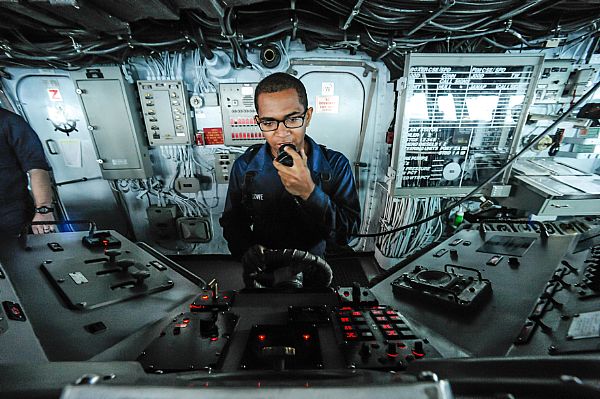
214 338
345 319
417 354
356 314
346 308
306 337
261 337
225 297
348 328
186 320
105 242
387 327
346 293
392 355
204 297
350 335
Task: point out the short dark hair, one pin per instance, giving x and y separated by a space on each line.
280 81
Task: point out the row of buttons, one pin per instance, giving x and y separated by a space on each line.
247 135
242 121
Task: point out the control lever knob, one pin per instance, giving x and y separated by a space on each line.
392 349
365 351
208 326
112 254
356 293
140 276
125 264
278 355
418 347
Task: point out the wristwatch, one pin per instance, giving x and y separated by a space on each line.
44 210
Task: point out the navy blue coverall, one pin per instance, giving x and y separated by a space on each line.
20 151
259 210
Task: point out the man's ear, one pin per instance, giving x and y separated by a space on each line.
308 117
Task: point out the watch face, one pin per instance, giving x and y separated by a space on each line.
43 209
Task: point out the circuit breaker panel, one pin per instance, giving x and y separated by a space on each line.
110 107
165 111
237 108
460 117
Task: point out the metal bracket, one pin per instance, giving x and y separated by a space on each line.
354 13
367 68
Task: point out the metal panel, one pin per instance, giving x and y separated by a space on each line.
165 111
237 108
109 106
80 191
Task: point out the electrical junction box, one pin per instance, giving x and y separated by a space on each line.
189 185
237 109
110 106
552 81
223 165
161 220
166 111
194 229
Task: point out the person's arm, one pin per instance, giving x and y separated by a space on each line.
337 214
235 220
39 179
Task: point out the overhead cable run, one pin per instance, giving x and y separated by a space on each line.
385 29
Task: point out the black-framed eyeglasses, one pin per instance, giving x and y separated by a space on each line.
291 122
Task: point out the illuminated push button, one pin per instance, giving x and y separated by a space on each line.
366 335
344 320
357 314
381 319
348 327
390 334
390 313
359 320
386 327
363 327
394 318
13 311
350 336
377 312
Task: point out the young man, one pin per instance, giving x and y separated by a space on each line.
21 153
302 206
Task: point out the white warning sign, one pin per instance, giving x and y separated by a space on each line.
328 104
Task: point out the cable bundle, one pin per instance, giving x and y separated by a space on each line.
403 211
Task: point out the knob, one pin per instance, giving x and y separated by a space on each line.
140 276
392 349
453 254
356 293
112 254
125 264
365 351
208 324
418 347
513 262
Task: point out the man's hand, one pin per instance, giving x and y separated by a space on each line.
43 228
296 179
